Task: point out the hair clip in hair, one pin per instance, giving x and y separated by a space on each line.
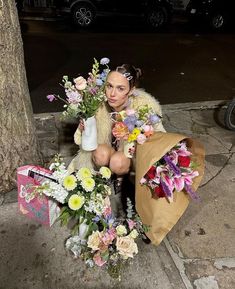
128 76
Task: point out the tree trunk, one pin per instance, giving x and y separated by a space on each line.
18 143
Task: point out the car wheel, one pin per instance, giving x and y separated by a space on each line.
83 15
218 21
157 17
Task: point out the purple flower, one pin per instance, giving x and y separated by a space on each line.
192 194
99 81
93 90
73 96
172 166
139 123
130 122
51 97
165 188
96 219
103 74
154 118
104 61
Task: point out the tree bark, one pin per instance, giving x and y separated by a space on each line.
18 142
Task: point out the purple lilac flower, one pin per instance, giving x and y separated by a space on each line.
172 166
154 118
104 61
51 97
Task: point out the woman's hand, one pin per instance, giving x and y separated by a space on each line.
81 125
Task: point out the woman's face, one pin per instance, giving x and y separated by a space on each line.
117 90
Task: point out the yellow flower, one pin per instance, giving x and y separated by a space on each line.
136 131
76 202
70 182
83 173
132 137
88 184
105 172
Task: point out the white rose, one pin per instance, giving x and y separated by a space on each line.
134 234
126 247
94 240
121 230
80 83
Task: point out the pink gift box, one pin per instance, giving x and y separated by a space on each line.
39 207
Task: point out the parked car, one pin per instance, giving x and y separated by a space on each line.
157 13
216 13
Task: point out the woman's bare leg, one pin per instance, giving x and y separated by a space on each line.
101 156
119 163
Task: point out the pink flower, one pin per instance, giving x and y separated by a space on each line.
188 177
109 236
98 260
80 83
148 130
131 224
107 211
51 97
143 181
141 138
73 96
179 184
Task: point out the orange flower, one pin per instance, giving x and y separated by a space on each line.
120 131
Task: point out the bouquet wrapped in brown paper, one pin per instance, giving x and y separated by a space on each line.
160 214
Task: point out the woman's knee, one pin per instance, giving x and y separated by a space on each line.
101 156
119 163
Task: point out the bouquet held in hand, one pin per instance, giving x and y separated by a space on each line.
84 96
133 126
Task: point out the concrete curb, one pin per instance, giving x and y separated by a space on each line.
202 105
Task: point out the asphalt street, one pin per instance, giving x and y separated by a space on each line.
179 64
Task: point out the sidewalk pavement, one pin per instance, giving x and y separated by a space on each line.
198 253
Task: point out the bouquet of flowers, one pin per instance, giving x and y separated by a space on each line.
112 244
174 171
98 238
84 96
134 126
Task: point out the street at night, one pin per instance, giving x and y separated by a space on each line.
179 64
130 194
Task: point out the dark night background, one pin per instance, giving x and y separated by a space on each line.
180 63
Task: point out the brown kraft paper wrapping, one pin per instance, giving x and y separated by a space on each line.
159 214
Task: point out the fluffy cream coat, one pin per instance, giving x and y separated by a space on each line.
104 125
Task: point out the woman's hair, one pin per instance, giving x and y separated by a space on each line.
131 73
